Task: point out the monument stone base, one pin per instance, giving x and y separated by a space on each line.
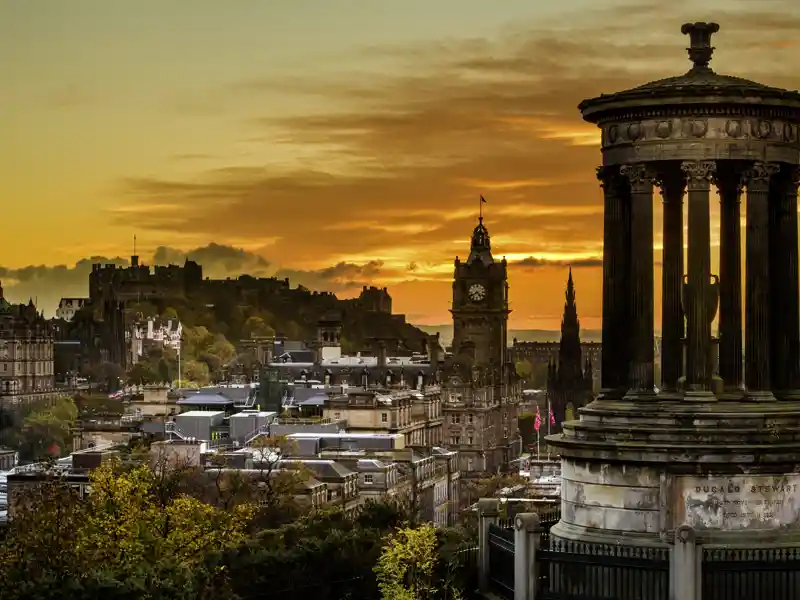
633 472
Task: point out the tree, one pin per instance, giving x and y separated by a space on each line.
47 431
109 374
525 423
130 538
222 349
409 567
524 368
538 377
195 371
143 372
256 327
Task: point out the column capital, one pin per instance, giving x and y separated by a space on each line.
758 176
729 178
794 176
699 173
641 177
672 184
609 178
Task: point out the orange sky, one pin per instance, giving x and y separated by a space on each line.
337 143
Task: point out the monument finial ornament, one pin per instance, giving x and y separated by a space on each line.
700 48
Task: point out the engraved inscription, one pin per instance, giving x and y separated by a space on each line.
757 502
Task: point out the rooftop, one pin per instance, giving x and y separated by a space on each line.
201 413
205 399
699 85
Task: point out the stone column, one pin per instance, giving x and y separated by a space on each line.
672 187
684 577
616 257
757 287
729 185
488 514
699 293
785 309
640 375
527 536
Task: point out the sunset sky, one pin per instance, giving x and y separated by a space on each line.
337 142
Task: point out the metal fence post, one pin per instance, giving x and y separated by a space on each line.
684 577
488 514
527 534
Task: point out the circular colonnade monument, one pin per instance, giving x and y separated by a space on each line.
719 453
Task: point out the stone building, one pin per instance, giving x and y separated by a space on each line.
67 307
569 378
26 353
164 333
415 414
481 391
138 283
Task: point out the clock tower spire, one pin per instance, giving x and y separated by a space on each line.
480 302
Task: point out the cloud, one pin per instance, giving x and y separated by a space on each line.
216 259
393 171
533 262
48 284
339 277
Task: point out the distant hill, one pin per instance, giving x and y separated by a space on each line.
523 335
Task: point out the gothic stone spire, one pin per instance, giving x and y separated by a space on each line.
570 365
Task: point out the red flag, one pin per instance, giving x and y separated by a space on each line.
537 424
552 418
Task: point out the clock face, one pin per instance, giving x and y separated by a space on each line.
476 292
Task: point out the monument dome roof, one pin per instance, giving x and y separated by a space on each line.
699 85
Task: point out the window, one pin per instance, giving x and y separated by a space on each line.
469 419
456 418
384 417
469 440
368 478
337 415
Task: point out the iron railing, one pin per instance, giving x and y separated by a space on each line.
570 570
751 574
501 561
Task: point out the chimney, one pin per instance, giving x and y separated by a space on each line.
381 354
434 349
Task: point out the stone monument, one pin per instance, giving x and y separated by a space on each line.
723 459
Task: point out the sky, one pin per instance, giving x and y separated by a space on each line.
340 142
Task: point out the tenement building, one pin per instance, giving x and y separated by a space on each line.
718 456
26 353
481 390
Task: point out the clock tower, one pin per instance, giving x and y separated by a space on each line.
480 303
480 386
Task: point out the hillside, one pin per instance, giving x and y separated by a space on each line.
239 314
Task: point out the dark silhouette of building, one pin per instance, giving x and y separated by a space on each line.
569 380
